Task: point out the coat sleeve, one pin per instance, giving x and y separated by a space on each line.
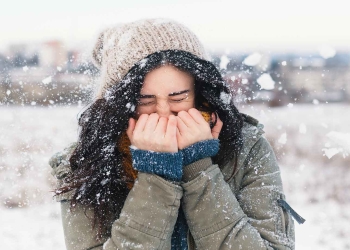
251 219
149 215
145 222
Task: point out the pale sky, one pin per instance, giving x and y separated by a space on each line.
227 25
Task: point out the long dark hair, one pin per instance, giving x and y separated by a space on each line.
97 171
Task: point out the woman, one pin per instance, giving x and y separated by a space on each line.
164 159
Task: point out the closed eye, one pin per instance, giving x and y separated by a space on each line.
179 100
146 103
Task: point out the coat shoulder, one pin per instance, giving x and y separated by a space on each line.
63 156
252 131
61 168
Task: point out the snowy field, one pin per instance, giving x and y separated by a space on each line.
311 143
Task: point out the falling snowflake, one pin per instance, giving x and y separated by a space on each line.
265 81
327 52
47 80
340 144
283 139
225 97
252 59
224 60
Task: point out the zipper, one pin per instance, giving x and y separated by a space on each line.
291 211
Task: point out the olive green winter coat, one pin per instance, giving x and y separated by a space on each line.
241 214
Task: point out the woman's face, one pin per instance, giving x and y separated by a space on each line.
165 91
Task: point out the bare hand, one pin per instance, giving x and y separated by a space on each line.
215 131
153 133
193 128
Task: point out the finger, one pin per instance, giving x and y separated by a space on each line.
171 127
151 123
141 122
131 128
181 125
161 126
178 134
187 119
215 131
196 115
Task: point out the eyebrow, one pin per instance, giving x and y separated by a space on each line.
179 93
147 96
171 94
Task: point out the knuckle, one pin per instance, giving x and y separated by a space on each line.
181 113
154 115
143 116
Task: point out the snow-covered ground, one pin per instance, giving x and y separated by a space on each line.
316 187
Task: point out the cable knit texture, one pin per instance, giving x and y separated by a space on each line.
119 48
200 150
166 165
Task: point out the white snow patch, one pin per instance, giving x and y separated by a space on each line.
47 80
8 92
327 52
225 97
224 60
130 106
330 152
25 68
252 59
104 181
290 105
284 63
340 144
143 62
59 68
265 81
283 139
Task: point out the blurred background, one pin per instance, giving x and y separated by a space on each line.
287 63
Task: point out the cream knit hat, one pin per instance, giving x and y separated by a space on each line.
119 48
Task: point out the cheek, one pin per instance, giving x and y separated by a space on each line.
145 110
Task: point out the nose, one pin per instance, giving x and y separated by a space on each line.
163 109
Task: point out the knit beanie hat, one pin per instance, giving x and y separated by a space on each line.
119 48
